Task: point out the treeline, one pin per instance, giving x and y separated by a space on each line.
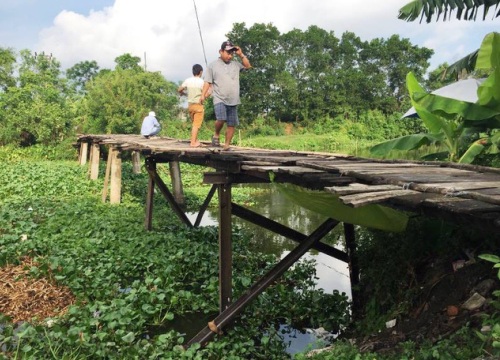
304 77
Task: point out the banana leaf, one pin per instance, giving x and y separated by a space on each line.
474 149
371 216
489 91
427 103
405 143
488 56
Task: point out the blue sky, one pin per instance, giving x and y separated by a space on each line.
165 34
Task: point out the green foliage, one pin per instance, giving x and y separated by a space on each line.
493 321
134 287
428 9
36 109
465 129
7 62
82 72
310 75
128 62
117 101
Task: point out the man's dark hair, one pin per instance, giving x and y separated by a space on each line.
197 69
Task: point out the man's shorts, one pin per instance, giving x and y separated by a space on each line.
227 113
196 113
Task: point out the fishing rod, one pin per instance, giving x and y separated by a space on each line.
199 29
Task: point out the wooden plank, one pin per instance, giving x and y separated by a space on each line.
262 169
285 169
458 186
490 199
402 179
358 200
410 170
356 188
258 163
299 170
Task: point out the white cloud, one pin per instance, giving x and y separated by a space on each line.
166 34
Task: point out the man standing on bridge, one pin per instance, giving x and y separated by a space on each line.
223 78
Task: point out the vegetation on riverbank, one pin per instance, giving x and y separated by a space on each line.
133 287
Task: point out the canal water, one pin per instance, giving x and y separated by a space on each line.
332 274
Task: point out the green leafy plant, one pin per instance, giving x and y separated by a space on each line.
465 129
494 320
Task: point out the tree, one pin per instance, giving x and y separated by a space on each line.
465 9
261 43
82 72
117 101
7 64
36 110
128 62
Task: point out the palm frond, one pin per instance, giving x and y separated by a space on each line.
465 9
465 64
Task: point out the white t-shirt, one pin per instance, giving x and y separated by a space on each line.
194 86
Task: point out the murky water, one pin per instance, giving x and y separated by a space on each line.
333 274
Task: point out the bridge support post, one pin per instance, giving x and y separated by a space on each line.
136 162
113 177
84 149
115 188
225 247
94 161
350 240
175 175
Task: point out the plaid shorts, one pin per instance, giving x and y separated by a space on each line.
227 113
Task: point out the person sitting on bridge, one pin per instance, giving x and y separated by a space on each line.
150 125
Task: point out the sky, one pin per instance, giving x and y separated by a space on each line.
170 36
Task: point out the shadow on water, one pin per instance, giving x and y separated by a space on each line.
332 274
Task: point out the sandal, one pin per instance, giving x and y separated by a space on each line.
215 141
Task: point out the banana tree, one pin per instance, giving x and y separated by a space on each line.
465 9
465 129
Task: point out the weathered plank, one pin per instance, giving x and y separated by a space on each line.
361 199
356 188
457 186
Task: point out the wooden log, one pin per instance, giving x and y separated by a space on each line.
94 161
148 221
175 175
107 175
84 148
116 178
136 162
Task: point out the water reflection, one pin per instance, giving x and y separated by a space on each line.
332 274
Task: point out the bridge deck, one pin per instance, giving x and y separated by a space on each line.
447 189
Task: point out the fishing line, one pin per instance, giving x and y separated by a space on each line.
199 29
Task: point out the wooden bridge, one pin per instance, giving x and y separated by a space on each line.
460 193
